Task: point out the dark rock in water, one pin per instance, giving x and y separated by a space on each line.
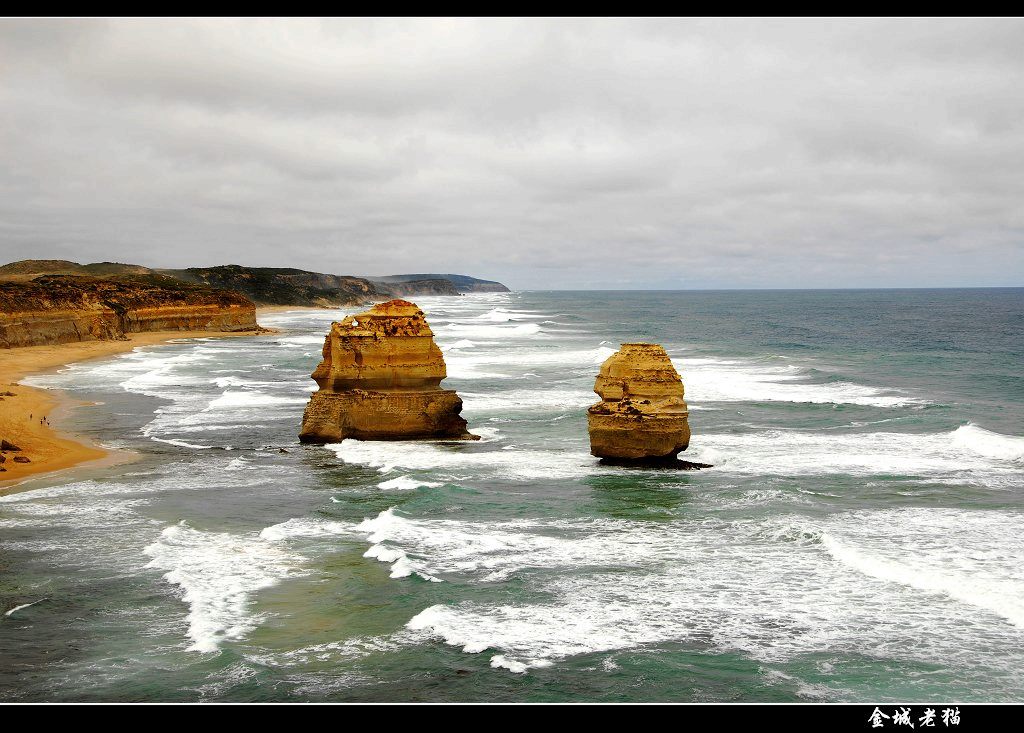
282 450
670 462
5 445
21 459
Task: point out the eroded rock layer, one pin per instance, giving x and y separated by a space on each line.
380 380
57 309
642 417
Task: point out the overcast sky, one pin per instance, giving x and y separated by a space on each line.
542 153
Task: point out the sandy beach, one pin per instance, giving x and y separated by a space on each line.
22 408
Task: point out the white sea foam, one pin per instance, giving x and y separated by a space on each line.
232 381
487 433
311 340
525 400
378 531
22 606
524 330
503 315
893 583
247 399
219 573
305 527
150 429
987 443
795 453
512 364
990 595
500 661
972 453
406 483
725 380
772 452
183 379
157 374
445 459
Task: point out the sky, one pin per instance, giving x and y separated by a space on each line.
544 153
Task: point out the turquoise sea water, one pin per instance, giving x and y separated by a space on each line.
861 536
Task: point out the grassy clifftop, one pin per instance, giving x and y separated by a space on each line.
284 285
268 285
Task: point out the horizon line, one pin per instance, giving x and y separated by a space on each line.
737 289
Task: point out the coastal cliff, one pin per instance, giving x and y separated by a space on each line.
280 286
56 309
642 417
461 283
380 380
285 286
413 288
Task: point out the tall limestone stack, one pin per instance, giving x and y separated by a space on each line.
380 380
641 418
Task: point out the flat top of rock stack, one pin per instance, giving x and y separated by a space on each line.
639 374
393 318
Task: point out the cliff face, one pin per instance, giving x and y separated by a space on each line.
380 380
641 417
284 286
410 288
461 283
56 309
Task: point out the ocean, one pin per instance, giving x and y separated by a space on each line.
860 537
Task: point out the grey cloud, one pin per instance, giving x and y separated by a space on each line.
545 153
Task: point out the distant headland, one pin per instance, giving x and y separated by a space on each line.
59 301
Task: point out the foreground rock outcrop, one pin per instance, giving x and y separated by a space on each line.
642 417
380 380
58 309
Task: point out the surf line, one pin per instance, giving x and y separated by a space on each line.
24 605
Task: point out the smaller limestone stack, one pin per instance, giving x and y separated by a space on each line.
380 380
641 418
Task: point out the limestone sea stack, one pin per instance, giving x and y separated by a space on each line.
642 417
380 380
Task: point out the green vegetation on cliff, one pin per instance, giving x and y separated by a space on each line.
284 285
270 285
462 283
